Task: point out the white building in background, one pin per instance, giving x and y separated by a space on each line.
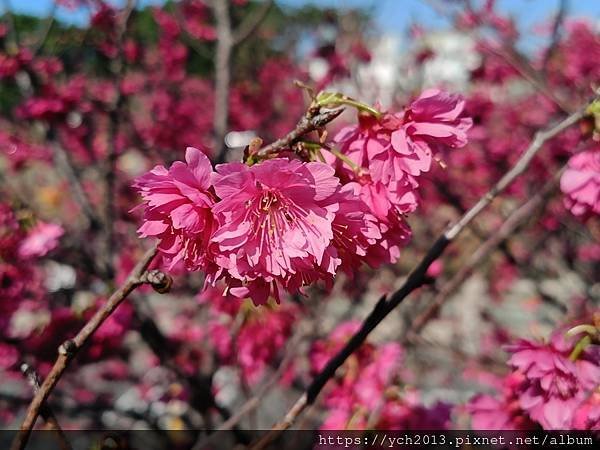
394 73
379 79
454 57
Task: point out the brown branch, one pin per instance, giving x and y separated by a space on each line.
69 349
251 23
252 403
556 32
222 75
45 31
308 123
416 278
519 216
110 171
202 397
46 412
227 39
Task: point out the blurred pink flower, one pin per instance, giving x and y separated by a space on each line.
260 339
177 210
581 183
405 411
367 382
554 386
502 412
41 239
587 416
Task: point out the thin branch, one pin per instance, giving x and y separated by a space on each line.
69 349
202 398
251 23
252 403
222 75
416 278
520 215
227 40
34 380
556 32
45 31
110 175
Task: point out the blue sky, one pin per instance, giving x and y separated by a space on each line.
392 15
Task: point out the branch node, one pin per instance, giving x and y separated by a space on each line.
160 281
67 348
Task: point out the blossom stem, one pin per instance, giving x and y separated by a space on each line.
337 99
344 159
580 347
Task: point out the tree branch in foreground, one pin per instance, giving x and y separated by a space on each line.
415 279
69 349
514 220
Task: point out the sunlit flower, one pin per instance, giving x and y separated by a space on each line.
177 204
276 221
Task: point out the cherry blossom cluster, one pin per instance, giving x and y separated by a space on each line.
284 223
552 384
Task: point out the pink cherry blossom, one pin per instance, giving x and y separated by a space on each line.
554 386
355 230
276 224
581 183
177 209
401 145
41 239
430 123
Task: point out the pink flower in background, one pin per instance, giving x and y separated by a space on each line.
177 204
276 225
260 339
404 410
41 239
502 412
554 386
581 183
